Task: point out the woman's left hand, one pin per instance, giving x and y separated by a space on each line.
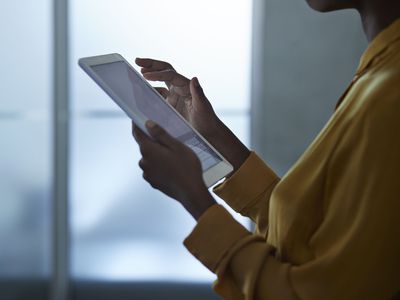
173 168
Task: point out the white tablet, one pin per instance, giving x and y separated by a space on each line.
141 102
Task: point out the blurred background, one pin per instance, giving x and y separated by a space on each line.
76 219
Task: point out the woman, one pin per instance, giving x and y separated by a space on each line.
327 229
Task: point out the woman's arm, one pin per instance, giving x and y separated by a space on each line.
355 250
250 184
356 247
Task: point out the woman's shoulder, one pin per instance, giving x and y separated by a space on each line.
380 95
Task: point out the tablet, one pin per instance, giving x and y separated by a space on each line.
141 102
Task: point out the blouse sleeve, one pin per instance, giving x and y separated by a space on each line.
248 191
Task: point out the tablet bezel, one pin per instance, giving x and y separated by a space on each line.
210 176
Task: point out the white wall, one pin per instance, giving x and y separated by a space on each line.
302 62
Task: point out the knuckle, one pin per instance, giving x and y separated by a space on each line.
142 163
149 180
168 65
146 177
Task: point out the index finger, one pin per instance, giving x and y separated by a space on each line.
152 64
168 76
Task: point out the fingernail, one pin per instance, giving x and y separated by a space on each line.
196 82
150 124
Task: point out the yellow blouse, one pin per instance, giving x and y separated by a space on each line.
330 228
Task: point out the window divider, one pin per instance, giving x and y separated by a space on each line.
59 285
257 87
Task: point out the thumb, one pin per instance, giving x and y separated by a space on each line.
198 97
160 135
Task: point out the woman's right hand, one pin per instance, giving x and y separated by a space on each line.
188 98
185 95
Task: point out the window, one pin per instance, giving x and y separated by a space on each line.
122 229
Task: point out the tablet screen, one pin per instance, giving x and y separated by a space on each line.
146 104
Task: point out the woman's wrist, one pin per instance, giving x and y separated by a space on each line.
225 141
199 202
198 199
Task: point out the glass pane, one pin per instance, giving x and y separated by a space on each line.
25 155
122 229
25 55
25 187
189 34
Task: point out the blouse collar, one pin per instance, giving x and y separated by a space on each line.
381 42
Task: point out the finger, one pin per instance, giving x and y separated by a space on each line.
196 90
133 128
150 180
162 136
198 97
148 70
146 177
152 64
140 136
168 76
133 131
163 91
